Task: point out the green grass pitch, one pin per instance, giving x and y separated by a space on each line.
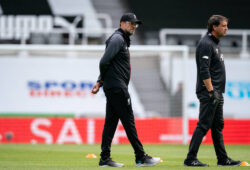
72 157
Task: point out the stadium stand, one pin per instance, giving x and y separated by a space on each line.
187 14
149 85
84 7
180 17
115 9
78 24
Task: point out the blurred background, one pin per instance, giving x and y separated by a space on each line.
49 56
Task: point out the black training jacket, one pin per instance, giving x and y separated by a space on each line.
210 64
115 63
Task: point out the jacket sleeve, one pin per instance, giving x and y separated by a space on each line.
100 80
205 54
113 47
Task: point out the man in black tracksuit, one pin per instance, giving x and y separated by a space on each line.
115 74
211 78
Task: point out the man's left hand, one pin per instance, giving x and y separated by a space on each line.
96 88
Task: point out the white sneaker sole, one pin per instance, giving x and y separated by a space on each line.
112 166
157 160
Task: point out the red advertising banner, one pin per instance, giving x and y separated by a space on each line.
89 131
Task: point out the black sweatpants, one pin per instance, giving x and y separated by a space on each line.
119 107
210 117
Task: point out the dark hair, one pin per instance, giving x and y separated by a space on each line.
215 20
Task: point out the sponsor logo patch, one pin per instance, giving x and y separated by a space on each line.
205 57
221 57
129 101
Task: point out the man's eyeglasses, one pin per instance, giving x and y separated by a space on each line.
134 24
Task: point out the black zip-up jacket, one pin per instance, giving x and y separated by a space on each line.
210 64
115 63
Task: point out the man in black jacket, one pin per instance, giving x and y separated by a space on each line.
211 78
115 76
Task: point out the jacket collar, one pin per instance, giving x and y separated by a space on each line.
216 40
125 36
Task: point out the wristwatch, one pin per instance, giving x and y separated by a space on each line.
211 92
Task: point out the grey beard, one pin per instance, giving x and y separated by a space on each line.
128 33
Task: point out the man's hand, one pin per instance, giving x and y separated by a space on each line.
95 88
211 93
215 97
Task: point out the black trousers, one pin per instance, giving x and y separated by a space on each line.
210 117
119 107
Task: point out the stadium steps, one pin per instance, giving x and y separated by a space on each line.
112 7
149 86
115 9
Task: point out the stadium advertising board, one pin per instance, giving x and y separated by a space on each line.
237 93
53 86
89 131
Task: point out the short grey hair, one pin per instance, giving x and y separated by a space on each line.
215 20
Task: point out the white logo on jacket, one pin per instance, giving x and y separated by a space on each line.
129 101
221 57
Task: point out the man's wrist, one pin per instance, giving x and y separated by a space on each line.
100 82
211 92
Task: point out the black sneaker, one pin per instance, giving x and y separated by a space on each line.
109 163
147 161
228 162
194 162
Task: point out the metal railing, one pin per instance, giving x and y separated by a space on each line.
243 33
86 32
